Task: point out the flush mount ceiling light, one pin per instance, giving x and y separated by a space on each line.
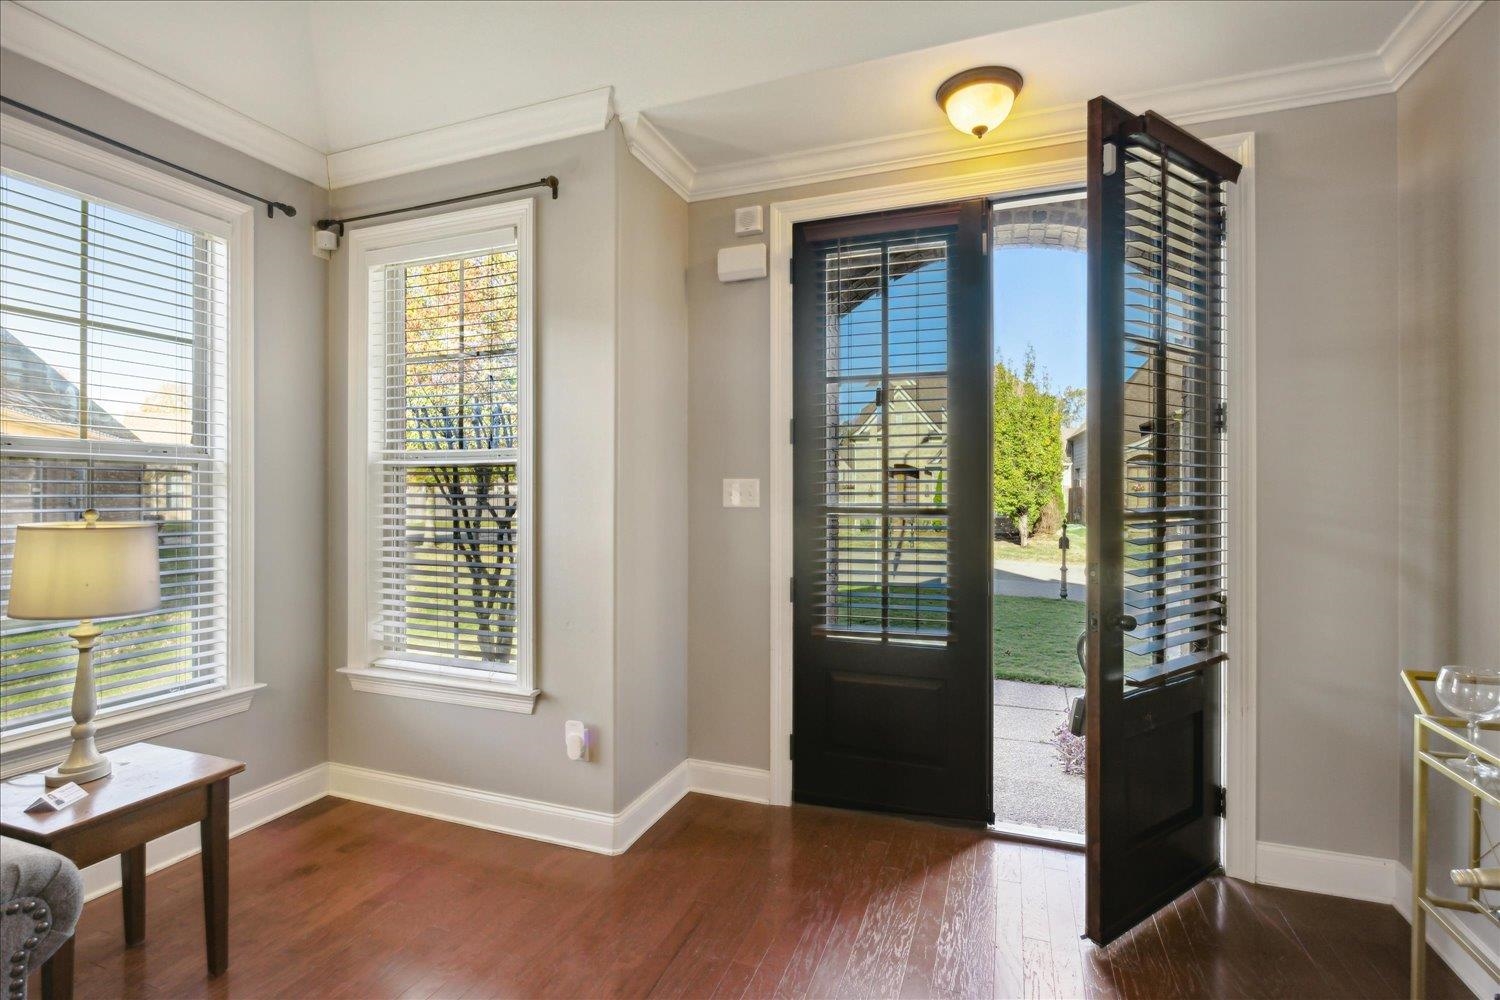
977 100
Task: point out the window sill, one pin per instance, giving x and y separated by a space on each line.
46 745
430 686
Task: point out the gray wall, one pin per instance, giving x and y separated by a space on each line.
1326 304
1448 147
575 369
286 729
651 555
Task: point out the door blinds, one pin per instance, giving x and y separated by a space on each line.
447 461
115 396
883 304
1174 410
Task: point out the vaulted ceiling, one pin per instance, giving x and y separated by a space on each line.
717 97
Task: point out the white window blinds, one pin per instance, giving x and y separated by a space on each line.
113 359
447 447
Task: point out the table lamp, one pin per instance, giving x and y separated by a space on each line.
65 570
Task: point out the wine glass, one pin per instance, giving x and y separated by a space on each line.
1472 694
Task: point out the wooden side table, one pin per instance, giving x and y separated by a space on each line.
153 791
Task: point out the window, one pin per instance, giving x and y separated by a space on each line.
118 391
445 556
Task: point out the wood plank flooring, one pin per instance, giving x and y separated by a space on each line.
719 899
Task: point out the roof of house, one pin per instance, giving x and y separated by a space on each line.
34 391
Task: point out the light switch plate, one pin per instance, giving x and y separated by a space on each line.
742 493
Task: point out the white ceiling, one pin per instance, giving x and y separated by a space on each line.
1132 50
717 97
338 74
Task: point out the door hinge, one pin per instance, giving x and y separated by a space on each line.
791 746
984 240
791 589
791 431
1221 801
791 270
1221 417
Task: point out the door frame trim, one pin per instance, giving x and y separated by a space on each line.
1240 685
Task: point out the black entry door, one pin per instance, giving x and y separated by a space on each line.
1156 511
891 433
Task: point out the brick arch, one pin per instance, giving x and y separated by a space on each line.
1060 225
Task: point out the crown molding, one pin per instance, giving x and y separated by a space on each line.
1421 33
1425 28
35 37
27 33
656 151
564 118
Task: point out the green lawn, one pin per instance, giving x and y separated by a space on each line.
1035 638
1043 548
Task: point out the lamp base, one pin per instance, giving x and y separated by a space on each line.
90 771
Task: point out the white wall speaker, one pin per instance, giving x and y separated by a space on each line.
749 220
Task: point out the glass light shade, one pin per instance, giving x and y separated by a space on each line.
976 101
67 570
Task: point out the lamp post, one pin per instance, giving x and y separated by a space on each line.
82 570
1062 543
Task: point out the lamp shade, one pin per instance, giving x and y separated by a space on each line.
66 570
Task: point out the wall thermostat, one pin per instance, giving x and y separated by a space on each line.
742 263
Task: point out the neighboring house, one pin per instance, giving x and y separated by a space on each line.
917 444
1075 469
36 400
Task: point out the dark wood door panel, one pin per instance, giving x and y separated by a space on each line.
1157 510
891 616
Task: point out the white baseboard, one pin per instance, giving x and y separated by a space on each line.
590 830
650 806
569 826
246 812
729 781
1463 966
1352 876
1379 880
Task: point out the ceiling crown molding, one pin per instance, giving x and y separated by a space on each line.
29 34
657 152
1419 35
532 125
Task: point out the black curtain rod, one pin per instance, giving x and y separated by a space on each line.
271 206
546 182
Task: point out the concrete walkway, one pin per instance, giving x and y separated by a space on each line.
1030 786
1015 578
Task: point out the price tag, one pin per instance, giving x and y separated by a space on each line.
58 798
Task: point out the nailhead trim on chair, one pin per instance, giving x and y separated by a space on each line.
20 962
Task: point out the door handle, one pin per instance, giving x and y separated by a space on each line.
1125 623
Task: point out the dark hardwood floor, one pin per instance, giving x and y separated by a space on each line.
720 898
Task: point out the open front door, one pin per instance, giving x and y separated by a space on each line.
1156 504
891 485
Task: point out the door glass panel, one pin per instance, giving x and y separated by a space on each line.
884 309
1173 471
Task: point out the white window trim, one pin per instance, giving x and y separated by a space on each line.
366 669
55 159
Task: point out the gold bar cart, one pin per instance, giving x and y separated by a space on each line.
1429 730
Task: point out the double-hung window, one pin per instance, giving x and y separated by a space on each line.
121 357
441 547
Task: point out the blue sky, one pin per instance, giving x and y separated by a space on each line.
1040 300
